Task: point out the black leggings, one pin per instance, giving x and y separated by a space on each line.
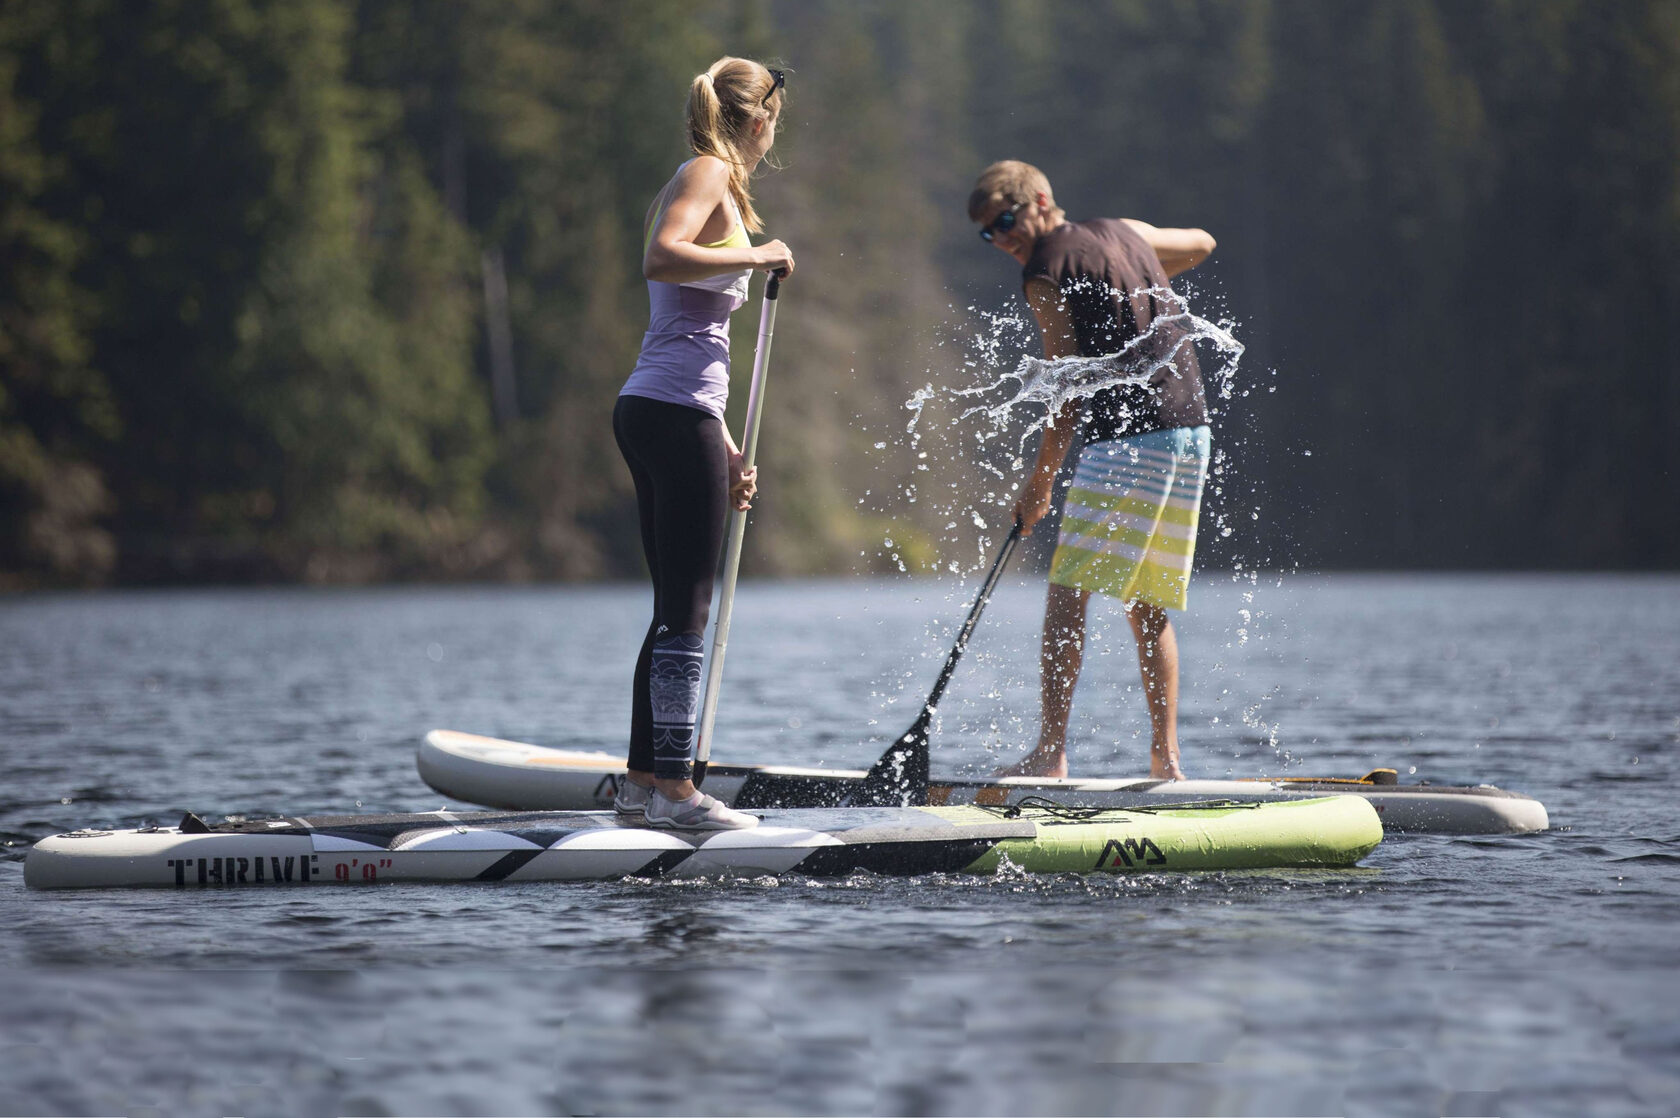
679 460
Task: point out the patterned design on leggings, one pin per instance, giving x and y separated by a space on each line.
674 687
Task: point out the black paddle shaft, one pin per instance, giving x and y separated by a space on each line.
900 777
972 620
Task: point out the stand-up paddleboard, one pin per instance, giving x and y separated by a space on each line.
585 845
506 774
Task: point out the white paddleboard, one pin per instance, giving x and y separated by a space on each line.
445 846
522 777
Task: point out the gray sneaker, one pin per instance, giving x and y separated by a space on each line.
631 798
699 812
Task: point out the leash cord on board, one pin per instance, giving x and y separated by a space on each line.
1042 806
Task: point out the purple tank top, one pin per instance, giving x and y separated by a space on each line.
685 352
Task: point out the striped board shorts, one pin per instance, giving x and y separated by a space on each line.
1129 521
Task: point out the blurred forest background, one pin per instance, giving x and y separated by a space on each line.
340 292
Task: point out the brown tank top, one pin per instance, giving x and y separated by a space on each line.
1114 288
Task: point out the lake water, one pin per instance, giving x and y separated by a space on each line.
1516 975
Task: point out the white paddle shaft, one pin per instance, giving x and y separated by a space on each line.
737 527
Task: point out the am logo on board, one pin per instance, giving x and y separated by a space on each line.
1130 852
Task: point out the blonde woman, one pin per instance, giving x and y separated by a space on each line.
669 422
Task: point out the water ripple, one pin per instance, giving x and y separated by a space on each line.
1530 974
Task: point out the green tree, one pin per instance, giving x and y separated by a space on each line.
56 408
290 407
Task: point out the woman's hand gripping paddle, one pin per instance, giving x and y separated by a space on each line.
900 777
737 529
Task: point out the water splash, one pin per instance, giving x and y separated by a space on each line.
983 414
960 458
1052 384
917 401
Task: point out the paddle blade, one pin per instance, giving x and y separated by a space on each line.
900 777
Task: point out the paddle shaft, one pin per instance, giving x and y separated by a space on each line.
973 619
900 777
737 529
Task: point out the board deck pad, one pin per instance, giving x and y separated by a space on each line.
817 842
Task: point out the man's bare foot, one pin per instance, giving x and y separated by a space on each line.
1163 760
1040 762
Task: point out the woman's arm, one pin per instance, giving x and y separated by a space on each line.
1179 249
675 253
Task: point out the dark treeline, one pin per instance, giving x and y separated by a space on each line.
339 292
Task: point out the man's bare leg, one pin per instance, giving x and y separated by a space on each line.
1061 653
1158 664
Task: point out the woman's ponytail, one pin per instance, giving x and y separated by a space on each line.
705 115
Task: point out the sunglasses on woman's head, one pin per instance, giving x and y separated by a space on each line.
1002 223
777 80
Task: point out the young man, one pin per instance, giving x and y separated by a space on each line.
1128 530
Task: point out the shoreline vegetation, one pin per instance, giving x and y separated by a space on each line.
319 293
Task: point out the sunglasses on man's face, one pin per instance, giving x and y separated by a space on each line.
777 80
1002 223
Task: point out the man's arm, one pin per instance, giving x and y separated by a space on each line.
1179 249
1055 326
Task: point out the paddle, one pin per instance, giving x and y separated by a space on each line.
900 777
737 529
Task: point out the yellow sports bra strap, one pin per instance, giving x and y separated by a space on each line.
737 239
